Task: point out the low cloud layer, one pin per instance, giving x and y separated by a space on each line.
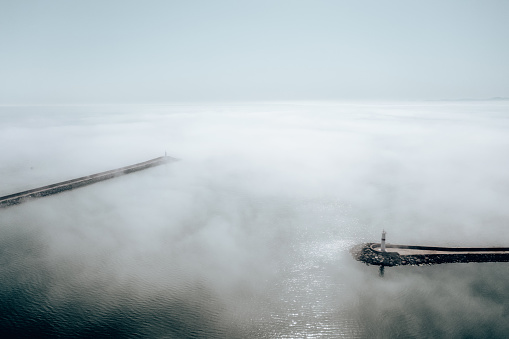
256 218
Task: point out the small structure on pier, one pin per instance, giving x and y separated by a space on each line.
382 243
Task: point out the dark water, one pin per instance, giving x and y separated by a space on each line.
290 285
300 284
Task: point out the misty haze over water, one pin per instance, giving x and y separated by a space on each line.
248 234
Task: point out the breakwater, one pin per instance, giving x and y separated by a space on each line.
18 198
396 255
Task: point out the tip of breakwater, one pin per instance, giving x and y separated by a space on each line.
368 254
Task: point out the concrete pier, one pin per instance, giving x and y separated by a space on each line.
18 198
396 255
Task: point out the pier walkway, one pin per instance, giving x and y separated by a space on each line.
430 250
18 198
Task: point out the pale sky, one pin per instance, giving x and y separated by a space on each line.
124 51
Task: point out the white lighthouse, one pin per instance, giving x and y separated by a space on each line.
382 244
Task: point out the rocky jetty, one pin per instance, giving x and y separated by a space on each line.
18 198
397 255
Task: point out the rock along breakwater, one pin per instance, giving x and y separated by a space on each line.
18 198
397 255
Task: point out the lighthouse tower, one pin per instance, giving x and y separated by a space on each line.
382 244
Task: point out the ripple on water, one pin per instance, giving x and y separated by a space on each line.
309 295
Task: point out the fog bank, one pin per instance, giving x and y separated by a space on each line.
263 205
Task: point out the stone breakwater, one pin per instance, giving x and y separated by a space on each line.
397 255
18 198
